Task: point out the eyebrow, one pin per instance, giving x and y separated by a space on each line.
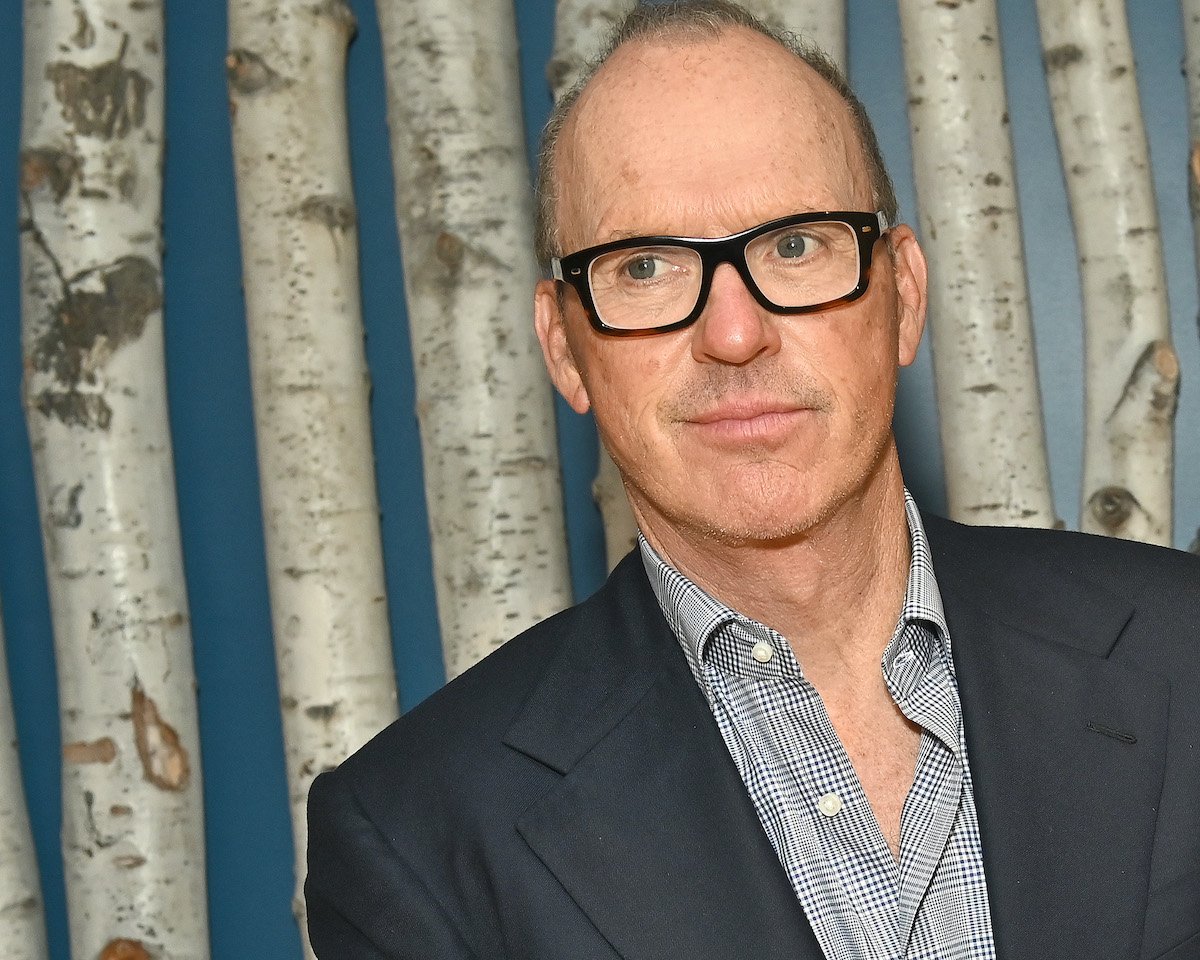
630 234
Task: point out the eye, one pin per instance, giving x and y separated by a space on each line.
644 267
792 245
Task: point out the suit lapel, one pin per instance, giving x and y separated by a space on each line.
651 830
1066 748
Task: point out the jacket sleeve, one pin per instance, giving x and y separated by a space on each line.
364 900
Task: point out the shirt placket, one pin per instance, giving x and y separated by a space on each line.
817 812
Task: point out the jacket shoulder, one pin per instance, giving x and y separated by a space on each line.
1127 568
471 712
456 736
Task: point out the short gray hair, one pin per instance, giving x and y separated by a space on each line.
698 20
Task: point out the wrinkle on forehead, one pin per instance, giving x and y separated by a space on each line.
698 133
722 215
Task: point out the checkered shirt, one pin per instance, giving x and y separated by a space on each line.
861 903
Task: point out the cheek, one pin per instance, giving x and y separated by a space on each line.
627 390
858 364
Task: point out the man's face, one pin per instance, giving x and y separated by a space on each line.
748 426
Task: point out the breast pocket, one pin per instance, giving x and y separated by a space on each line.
1172 930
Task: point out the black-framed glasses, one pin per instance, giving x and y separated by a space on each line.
798 264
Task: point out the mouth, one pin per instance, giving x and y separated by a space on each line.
741 421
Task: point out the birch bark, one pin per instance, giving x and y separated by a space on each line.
95 403
993 440
1132 374
22 923
286 69
464 209
822 22
581 29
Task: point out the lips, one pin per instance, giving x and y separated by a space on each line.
745 409
748 420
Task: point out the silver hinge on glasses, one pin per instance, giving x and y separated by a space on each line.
556 267
883 221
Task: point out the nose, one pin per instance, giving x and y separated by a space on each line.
733 328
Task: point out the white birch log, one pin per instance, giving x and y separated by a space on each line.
286 69
464 209
821 22
581 29
993 440
95 403
1132 375
22 921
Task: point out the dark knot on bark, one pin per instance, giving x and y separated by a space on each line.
1112 507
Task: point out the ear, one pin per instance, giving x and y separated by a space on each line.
912 284
550 325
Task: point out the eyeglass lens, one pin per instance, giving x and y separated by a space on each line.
795 266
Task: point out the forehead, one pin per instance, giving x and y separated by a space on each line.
706 136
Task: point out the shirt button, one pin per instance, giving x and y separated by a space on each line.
762 651
830 805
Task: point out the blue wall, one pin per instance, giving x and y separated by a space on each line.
249 841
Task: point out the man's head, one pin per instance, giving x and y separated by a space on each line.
749 425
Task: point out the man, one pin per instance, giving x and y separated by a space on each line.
773 733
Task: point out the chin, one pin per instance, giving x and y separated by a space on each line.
761 511
774 504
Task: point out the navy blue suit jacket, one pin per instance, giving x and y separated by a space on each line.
571 798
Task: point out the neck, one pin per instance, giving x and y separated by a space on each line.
834 590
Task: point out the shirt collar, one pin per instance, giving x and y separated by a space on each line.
695 615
